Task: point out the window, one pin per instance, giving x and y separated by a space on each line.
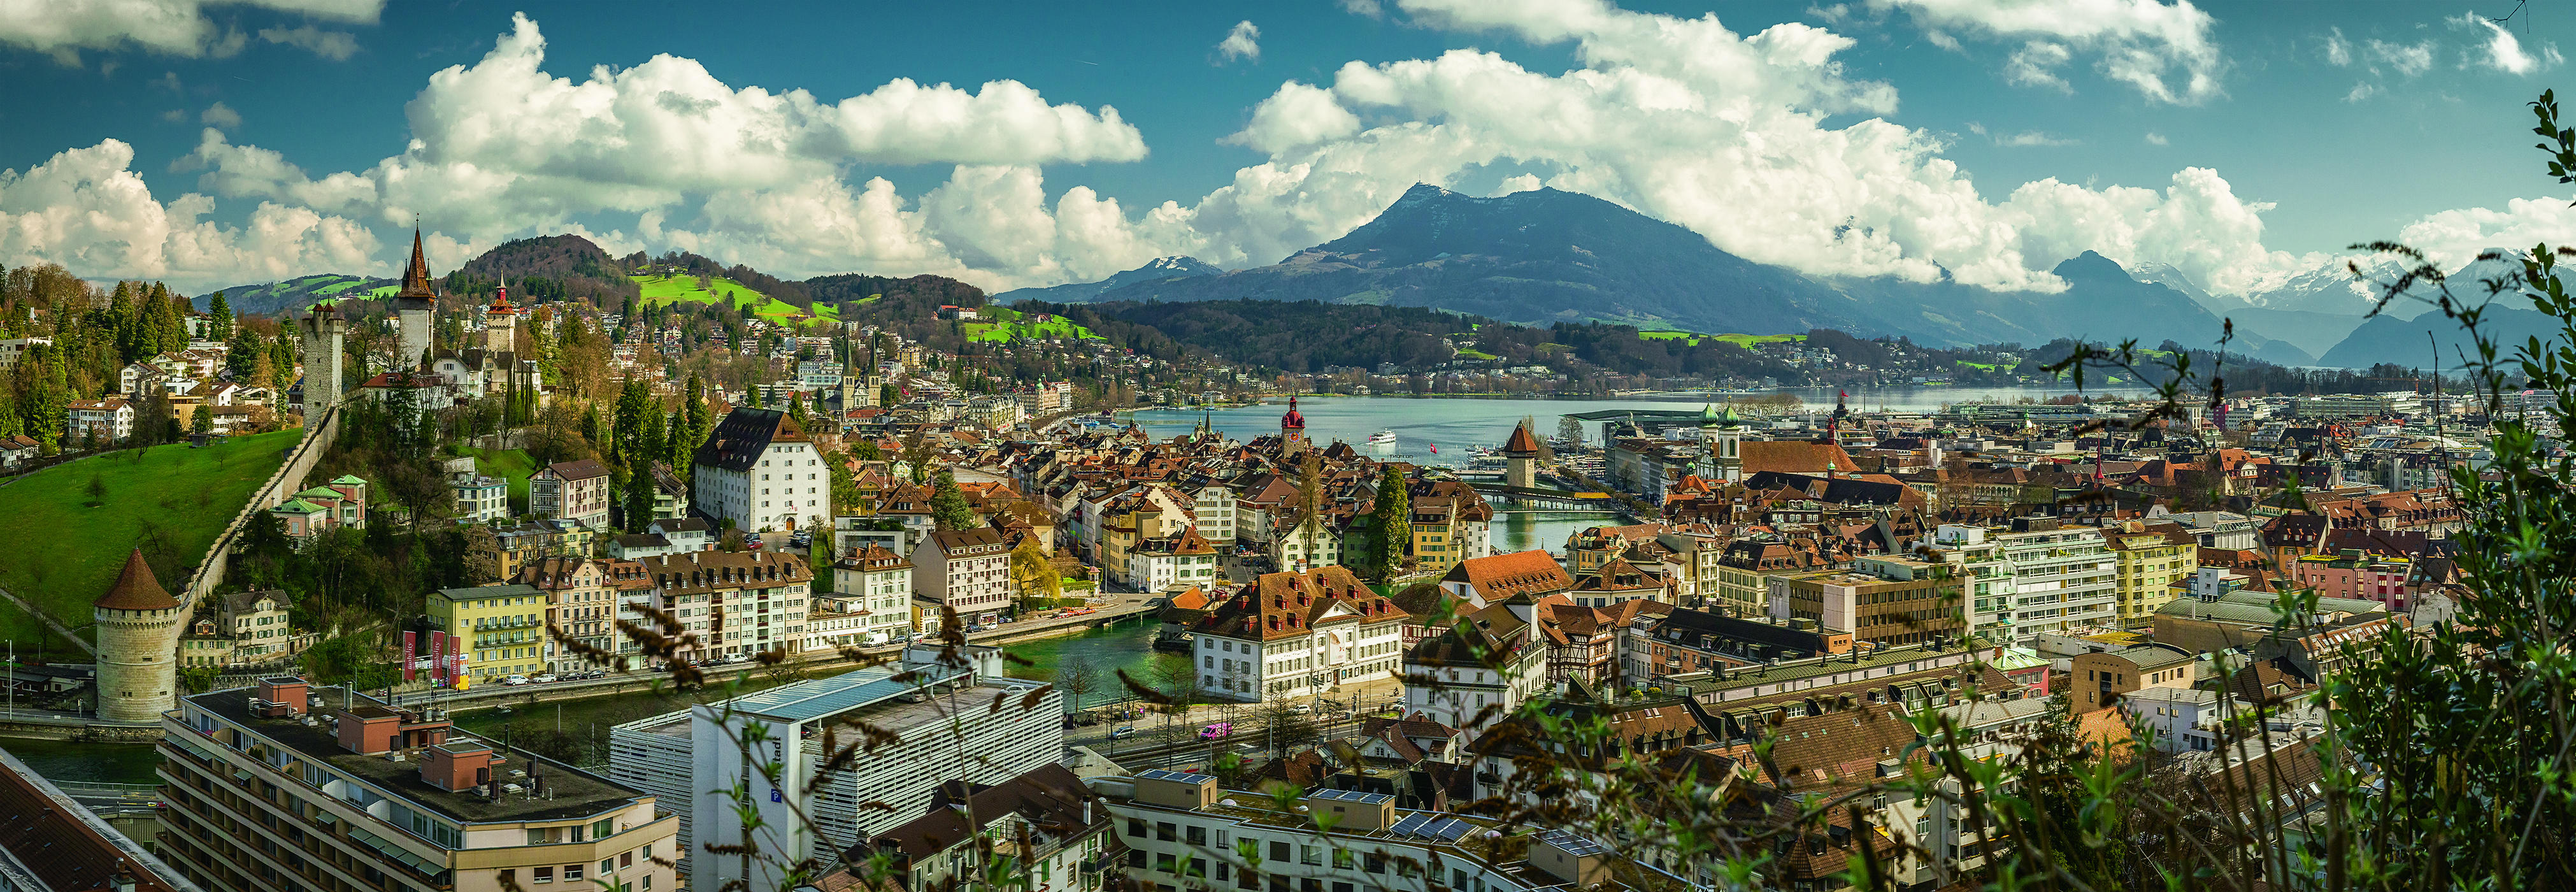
1136 858
626 859
1197 836
542 874
1198 867
606 865
1278 851
1163 862
572 873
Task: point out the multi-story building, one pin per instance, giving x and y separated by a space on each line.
1986 582
108 420
2151 558
570 490
480 499
1292 635
2101 679
283 787
2184 720
1881 600
1183 831
876 585
2400 583
934 740
735 603
968 571
12 348
1494 578
1213 508
758 470
582 598
55 843
1479 669
2063 577
242 628
1172 563
1745 569
1065 826
504 627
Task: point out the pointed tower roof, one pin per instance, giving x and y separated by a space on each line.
416 276
1521 441
135 589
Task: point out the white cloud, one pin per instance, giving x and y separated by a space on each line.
1943 40
87 210
2338 51
2360 91
63 28
2162 50
2408 59
1367 8
1516 184
2501 50
175 116
2157 139
336 46
1297 115
2028 138
2453 238
220 115
1243 42
2036 65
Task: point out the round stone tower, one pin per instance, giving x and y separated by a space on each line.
138 646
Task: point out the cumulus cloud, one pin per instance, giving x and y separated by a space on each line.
2453 238
220 115
1243 42
89 211
336 46
2502 51
63 28
2162 50
2338 50
2157 139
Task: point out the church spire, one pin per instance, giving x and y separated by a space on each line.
416 276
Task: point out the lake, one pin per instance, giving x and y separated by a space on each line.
1451 424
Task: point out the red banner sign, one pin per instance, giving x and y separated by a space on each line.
411 645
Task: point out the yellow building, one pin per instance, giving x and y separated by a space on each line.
2152 557
503 626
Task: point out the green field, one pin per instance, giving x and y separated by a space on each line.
1475 354
661 289
68 553
1004 325
508 464
1741 340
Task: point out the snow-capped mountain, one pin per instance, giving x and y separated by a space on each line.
1156 270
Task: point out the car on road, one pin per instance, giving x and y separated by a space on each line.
515 679
1123 732
542 678
1220 729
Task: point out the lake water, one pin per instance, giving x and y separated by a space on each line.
1452 424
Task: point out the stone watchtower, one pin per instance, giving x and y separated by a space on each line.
1520 459
138 646
323 333
416 307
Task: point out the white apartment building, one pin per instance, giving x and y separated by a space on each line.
2186 720
2063 577
480 499
758 470
875 586
1213 506
942 731
736 603
12 348
1291 635
967 570
1172 563
2042 580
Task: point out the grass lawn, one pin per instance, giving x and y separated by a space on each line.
1474 354
66 553
1741 340
1007 324
684 289
508 464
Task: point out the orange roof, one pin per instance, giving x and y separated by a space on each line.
135 589
1504 575
1794 456
1521 440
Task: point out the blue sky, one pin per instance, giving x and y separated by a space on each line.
241 142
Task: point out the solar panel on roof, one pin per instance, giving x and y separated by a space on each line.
1572 844
1169 775
1452 829
1411 823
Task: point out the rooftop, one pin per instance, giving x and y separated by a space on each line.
570 792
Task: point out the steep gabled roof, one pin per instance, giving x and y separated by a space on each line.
742 436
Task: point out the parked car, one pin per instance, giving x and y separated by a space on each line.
1220 729
542 678
515 679
1123 732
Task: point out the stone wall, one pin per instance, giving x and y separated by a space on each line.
288 481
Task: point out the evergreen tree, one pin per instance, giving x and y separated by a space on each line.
1390 525
796 408
948 506
241 352
639 497
219 326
